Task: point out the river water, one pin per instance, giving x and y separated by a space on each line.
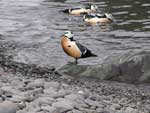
35 27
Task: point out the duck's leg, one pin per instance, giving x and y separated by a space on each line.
76 60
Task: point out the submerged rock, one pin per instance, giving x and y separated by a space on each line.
132 67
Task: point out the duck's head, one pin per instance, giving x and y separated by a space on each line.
84 17
109 16
94 8
68 34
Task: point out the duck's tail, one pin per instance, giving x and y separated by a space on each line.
94 55
65 11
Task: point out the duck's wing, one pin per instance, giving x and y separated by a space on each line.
100 15
89 16
85 52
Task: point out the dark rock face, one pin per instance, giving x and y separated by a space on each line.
133 67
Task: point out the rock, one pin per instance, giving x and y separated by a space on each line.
63 105
132 67
78 99
1 92
61 94
36 83
99 110
8 107
101 71
92 103
116 106
37 91
16 98
131 110
9 90
44 101
28 96
48 109
51 84
74 97
81 92
51 92
76 111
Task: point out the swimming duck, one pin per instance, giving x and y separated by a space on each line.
73 48
79 11
98 18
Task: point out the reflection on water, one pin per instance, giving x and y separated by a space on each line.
35 26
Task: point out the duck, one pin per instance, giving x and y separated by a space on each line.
98 18
73 48
79 11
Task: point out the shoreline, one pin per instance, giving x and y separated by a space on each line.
33 89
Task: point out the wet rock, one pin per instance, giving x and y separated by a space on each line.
8 107
131 67
27 70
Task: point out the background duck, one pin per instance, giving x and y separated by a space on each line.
79 11
73 48
98 18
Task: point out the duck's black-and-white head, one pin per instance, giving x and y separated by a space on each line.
68 34
94 8
109 16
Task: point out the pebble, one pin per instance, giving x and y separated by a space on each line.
36 83
49 109
116 107
63 105
76 111
55 85
44 101
131 110
8 107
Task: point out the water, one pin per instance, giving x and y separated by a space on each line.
35 26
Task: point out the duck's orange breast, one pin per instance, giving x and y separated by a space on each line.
98 20
92 20
80 11
70 48
104 20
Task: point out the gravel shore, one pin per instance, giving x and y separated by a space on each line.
24 94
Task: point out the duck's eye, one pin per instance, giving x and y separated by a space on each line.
69 45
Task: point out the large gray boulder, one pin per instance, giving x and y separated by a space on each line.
132 67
